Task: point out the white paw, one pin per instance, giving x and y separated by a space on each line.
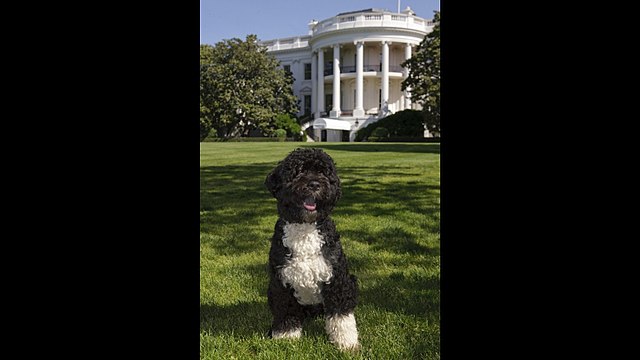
291 334
349 346
342 331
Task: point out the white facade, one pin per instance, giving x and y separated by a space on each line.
348 68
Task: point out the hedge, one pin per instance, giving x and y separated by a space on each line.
406 123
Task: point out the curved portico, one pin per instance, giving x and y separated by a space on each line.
365 45
354 60
347 70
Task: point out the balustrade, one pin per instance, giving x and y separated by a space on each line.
328 69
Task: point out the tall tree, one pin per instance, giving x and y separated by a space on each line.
242 89
424 76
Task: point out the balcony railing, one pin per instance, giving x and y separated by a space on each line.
287 43
368 19
328 70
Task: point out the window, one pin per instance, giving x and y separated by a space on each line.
287 69
307 71
307 104
328 68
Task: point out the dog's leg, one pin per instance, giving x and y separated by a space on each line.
286 328
288 315
340 298
342 331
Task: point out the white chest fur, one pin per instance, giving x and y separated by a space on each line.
307 269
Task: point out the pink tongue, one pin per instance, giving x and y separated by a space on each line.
310 207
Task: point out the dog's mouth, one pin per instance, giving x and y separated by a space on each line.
310 203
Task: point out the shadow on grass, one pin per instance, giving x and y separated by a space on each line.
393 239
413 294
432 148
235 205
245 319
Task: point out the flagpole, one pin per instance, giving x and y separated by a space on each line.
398 6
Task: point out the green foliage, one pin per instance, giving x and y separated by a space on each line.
212 136
424 76
289 124
281 134
242 89
406 123
390 232
205 123
380 132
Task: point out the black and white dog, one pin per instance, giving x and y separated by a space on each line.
308 270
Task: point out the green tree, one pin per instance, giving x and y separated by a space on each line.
242 89
424 76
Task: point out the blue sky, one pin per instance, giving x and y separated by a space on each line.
270 19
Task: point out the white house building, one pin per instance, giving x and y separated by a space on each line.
347 68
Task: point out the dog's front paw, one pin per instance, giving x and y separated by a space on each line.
289 334
351 347
342 331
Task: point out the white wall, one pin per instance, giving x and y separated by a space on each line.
297 59
332 135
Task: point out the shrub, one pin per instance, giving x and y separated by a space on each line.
289 124
380 132
406 123
211 137
281 134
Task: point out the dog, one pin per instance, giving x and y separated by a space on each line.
308 270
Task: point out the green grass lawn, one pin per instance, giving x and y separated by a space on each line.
389 222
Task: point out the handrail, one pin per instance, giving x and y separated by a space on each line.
372 19
328 70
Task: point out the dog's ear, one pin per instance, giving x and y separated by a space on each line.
273 181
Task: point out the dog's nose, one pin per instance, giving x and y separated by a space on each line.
313 185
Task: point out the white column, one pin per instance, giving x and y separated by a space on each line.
320 102
359 109
314 81
335 111
407 92
385 78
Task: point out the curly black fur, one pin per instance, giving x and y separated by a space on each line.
307 177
